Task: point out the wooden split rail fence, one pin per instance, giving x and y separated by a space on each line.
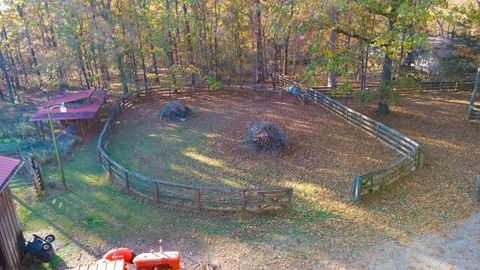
421 87
410 151
175 194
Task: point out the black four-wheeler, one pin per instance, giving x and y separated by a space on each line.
41 248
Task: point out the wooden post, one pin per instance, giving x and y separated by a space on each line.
396 142
290 197
127 183
244 205
382 185
357 189
157 192
419 157
477 187
199 200
471 107
109 170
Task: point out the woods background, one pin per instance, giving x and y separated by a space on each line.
49 44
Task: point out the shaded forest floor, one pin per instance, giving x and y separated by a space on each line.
322 231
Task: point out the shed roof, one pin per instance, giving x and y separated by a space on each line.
8 167
68 97
77 112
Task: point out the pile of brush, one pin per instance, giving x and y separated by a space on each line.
174 110
266 137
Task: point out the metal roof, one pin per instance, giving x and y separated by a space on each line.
74 112
68 97
8 168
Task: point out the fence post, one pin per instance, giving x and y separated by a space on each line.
477 187
127 183
396 142
199 200
419 157
357 189
376 131
244 205
109 170
157 192
290 197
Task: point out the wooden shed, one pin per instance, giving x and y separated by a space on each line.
11 237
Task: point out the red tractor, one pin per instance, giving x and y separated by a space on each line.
125 259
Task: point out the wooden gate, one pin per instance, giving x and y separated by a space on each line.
34 170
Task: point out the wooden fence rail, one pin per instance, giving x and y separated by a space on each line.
421 87
170 193
410 151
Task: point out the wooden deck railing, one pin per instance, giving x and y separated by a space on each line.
171 193
410 151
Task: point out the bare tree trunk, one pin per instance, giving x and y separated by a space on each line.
215 39
287 40
177 33
144 67
259 38
29 43
387 70
154 63
191 57
8 84
332 73
169 52
82 67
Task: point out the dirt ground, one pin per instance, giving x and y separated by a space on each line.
208 149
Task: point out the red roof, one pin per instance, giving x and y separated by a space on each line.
7 169
68 97
77 112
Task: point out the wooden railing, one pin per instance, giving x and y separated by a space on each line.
410 151
171 193
420 87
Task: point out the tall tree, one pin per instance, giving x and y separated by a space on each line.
259 42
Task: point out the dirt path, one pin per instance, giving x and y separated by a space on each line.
459 249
